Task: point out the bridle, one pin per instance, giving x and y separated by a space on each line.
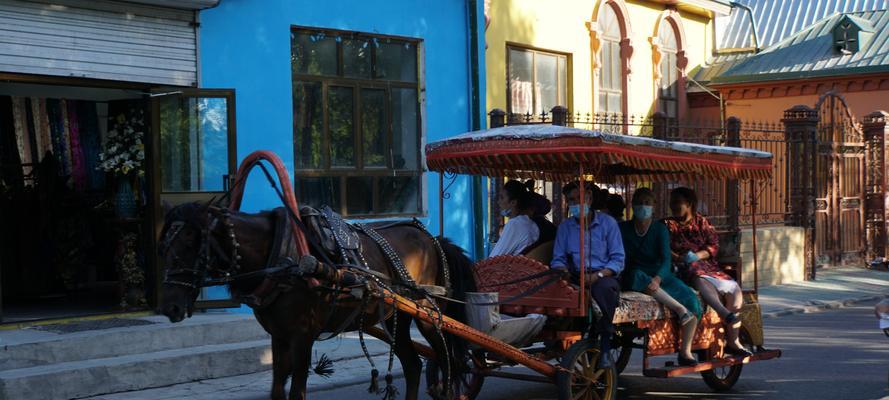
202 273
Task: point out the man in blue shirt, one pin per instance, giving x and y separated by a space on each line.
604 253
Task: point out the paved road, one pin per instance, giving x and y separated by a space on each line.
837 354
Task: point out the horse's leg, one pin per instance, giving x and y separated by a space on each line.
410 360
442 353
282 366
301 352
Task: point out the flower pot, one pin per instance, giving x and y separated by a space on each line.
125 200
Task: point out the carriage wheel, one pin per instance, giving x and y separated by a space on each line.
580 379
465 386
622 351
722 379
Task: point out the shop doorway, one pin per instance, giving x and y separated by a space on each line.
73 200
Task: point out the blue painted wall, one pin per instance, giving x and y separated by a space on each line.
245 46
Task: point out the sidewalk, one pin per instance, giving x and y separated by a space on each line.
833 288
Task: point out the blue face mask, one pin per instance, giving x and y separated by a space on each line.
643 212
574 210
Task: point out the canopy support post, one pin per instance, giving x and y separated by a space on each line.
582 266
441 204
753 222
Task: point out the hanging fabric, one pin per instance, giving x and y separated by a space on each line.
66 138
21 128
90 142
78 162
43 122
57 134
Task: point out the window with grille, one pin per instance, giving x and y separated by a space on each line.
356 122
537 81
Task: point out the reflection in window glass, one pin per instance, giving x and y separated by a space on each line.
547 82
521 82
308 122
538 81
374 127
318 191
399 195
359 195
194 143
356 58
313 53
342 134
396 60
404 129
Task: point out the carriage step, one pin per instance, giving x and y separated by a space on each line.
671 371
85 378
33 347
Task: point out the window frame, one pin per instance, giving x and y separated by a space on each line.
359 170
669 58
614 43
534 51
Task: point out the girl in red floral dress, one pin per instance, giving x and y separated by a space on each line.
695 244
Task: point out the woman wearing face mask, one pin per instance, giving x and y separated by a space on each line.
694 245
520 231
647 269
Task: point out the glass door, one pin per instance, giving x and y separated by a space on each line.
193 159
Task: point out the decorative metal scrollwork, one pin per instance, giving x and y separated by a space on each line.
820 205
449 176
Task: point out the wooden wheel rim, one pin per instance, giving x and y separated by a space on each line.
589 383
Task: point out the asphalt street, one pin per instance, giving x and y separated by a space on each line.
837 354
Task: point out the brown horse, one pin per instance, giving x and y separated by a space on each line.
202 241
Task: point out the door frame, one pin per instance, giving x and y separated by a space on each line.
155 207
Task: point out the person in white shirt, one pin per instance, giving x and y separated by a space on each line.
520 231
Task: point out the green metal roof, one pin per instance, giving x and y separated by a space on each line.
812 53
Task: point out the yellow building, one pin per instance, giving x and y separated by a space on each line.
596 56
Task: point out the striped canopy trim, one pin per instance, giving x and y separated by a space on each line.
556 153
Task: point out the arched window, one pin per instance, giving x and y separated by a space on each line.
611 88
668 90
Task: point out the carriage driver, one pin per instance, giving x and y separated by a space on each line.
604 253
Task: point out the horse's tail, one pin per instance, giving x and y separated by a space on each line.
462 281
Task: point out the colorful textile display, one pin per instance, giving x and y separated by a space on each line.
78 162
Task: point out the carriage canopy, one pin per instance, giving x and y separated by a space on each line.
556 153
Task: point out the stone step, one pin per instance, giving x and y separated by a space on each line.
41 348
91 377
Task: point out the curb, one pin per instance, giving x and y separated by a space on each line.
818 305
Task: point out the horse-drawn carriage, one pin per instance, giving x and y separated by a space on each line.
557 350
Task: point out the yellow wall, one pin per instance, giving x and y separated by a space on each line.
563 29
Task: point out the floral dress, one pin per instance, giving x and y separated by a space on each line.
695 236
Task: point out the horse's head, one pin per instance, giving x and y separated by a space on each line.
197 244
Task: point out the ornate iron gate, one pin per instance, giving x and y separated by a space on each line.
839 184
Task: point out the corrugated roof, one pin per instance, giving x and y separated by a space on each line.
778 19
811 53
715 66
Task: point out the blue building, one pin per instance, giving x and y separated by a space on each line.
347 93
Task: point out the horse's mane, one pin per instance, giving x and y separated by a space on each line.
462 281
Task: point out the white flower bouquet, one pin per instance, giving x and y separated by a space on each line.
123 152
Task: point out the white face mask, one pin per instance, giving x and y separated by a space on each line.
505 213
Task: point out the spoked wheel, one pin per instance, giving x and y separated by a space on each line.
722 379
465 386
581 379
622 351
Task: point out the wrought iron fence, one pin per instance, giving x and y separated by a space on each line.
726 204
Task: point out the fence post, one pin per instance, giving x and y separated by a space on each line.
732 203
498 118
560 115
659 125
800 133
875 206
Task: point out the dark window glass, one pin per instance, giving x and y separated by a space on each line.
404 129
396 60
340 118
308 122
356 58
359 195
399 194
374 126
318 191
313 53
